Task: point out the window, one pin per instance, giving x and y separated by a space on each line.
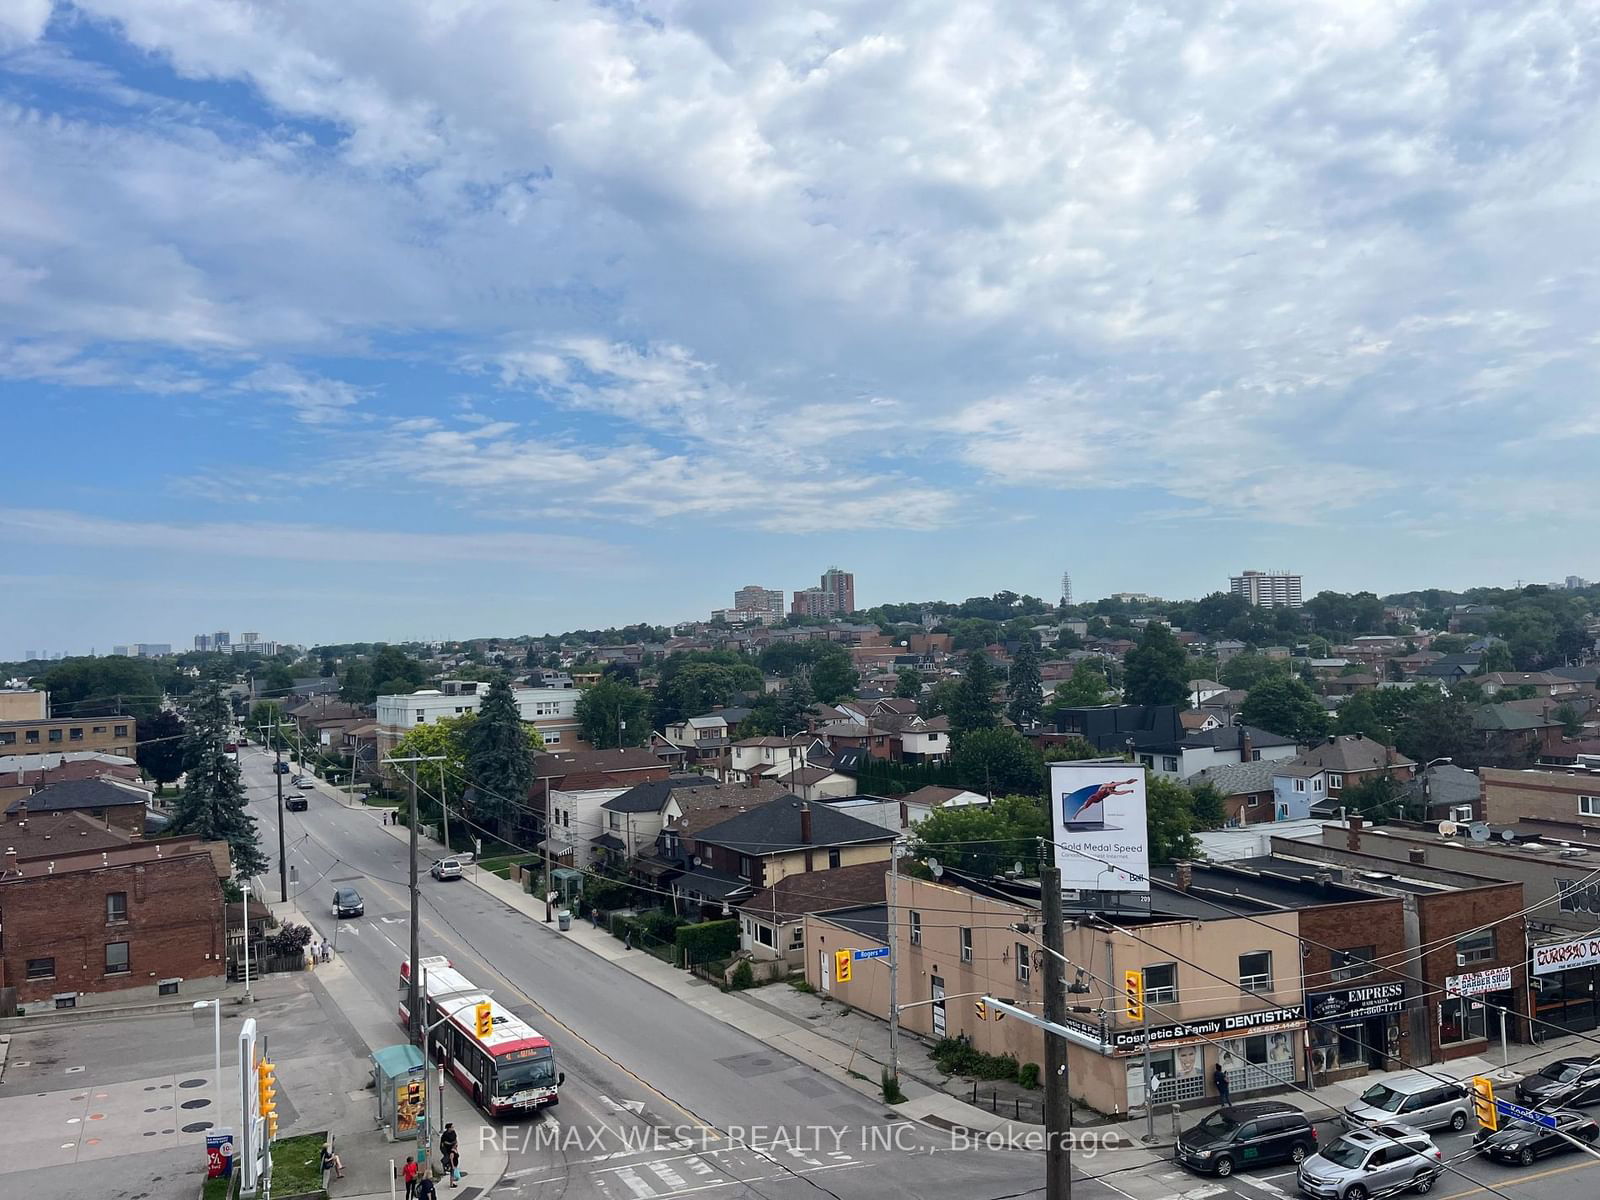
1252 802
67 1000
1475 947
41 968
615 821
1589 806
916 928
797 936
99 728
1316 784
8 738
31 737
764 934
75 735
422 716
1024 962
1169 762
1255 756
1462 1020
120 731
744 866
1255 971
168 987
1335 781
1461 812
833 858
966 943
1299 785
116 907
117 958
55 735
551 739
1161 983
1354 963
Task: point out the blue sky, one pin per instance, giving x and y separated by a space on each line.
388 320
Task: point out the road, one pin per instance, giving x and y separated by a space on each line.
663 1100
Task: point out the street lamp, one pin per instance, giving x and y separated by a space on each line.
215 1006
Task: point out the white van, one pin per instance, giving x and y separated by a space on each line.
1420 1101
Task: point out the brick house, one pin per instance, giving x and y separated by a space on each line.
1312 783
111 802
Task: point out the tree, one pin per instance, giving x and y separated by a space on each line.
794 702
499 758
212 803
1377 797
103 687
1026 696
1170 820
1359 715
833 673
355 687
1436 726
1571 722
694 681
972 706
764 719
1244 671
998 760
160 750
938 700
277 680
1208 805
908 683
1084 688
613 713
1156 671
985 839
1286 706
1496 658
1070 750
443 741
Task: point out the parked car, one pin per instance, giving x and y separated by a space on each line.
1418 1100
1567 1082
303 781
1247 1135
1387 1158
295 802
279 768
231 747
347 902
446 868
1522 1141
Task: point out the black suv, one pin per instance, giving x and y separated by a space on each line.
1245 1135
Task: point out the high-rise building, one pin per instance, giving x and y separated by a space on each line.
753 598
202 642
249 639
1066 589
1576 581
1267 589
809 602
840 588
220 640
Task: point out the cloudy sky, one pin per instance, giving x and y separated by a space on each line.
389 318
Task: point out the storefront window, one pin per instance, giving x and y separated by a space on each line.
1462 1020
1567 998
1261 1061
1181 1073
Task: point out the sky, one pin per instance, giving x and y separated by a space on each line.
391 319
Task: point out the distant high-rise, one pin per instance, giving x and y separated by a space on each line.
202 642
1066 589
1267 589
220 640
1576 581
753 598
32 654
840 588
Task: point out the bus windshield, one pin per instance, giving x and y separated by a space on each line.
510 1078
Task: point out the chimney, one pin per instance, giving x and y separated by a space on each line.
1353 838
1333 739
1185 876
1324 878
1245 748
11 860
905 815
1417 858
805 822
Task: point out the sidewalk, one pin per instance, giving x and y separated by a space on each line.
370 1158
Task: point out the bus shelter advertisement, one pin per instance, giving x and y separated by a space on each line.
1102 836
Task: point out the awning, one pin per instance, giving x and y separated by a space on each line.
714 887
608 841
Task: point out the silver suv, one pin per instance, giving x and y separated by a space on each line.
1387 1158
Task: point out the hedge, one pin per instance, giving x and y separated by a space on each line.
708 941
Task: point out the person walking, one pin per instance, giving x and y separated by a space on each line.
425 1188
449 1153
409 1174
1219 1080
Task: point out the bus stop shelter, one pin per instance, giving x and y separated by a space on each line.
401 1080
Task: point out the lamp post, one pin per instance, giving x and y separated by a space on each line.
245 888
216 1008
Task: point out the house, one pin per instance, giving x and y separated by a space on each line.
816 783
1446 792
772 922
1201 690
1246 787
1318 777
925 741
109 802
1449 668
22 774
1349 685
753 757
1116 728
1543 683
1182 757
1226 649
1195 721
730 859
702 738
634 819
934 796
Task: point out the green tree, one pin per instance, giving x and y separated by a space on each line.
103 687
1156 671
763 721
1286 706
1086 687
1170 820
355 686
1359 714
1208 805
277 680
1376 797
973 705
212 803
938 700
1448 643
1496 658
1244 671
1026 696
833 673
1070 750
613 713
985 839
441 740
1571 722
794 703
908 683
1435 726
499 758
695 681
992 760
160 750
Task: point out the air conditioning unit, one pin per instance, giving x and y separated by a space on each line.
1461 960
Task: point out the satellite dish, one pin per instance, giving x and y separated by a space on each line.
697 860
1447 829
1017 866
1478 831
934 865
1507 835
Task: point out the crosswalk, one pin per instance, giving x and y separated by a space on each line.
673 1174
1183 1185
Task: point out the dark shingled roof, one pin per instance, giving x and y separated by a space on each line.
774 828
651 796
74 794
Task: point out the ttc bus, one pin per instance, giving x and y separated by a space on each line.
512 1071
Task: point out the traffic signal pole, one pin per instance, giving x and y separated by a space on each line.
1057 1096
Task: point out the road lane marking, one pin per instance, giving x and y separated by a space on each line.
1271 1189
633 1183
1521 1179
667 1175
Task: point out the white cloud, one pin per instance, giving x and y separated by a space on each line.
313 399
22 22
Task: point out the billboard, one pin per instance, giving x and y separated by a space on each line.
1097 813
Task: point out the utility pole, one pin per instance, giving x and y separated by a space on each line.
1057 1096
283 854
416 957
894 962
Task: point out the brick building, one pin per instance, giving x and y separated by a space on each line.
106 801
111 735
1512 797
90 909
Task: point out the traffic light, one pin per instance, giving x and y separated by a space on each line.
841 966
1133 995
483 1017
1483 1106
981 1009
267 1095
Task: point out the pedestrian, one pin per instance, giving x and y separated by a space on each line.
627 940
425 1188
449 1155
594 916
409 1174
1219 1079
331 1161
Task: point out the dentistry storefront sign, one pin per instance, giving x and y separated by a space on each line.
1559 956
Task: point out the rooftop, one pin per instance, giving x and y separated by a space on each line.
80 794
777 827
1342 753
820 891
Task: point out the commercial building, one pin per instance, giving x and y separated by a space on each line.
551 710
1555 797
754 598
202 642
1267 589
24 704
109 735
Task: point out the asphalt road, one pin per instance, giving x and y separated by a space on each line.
662 1100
